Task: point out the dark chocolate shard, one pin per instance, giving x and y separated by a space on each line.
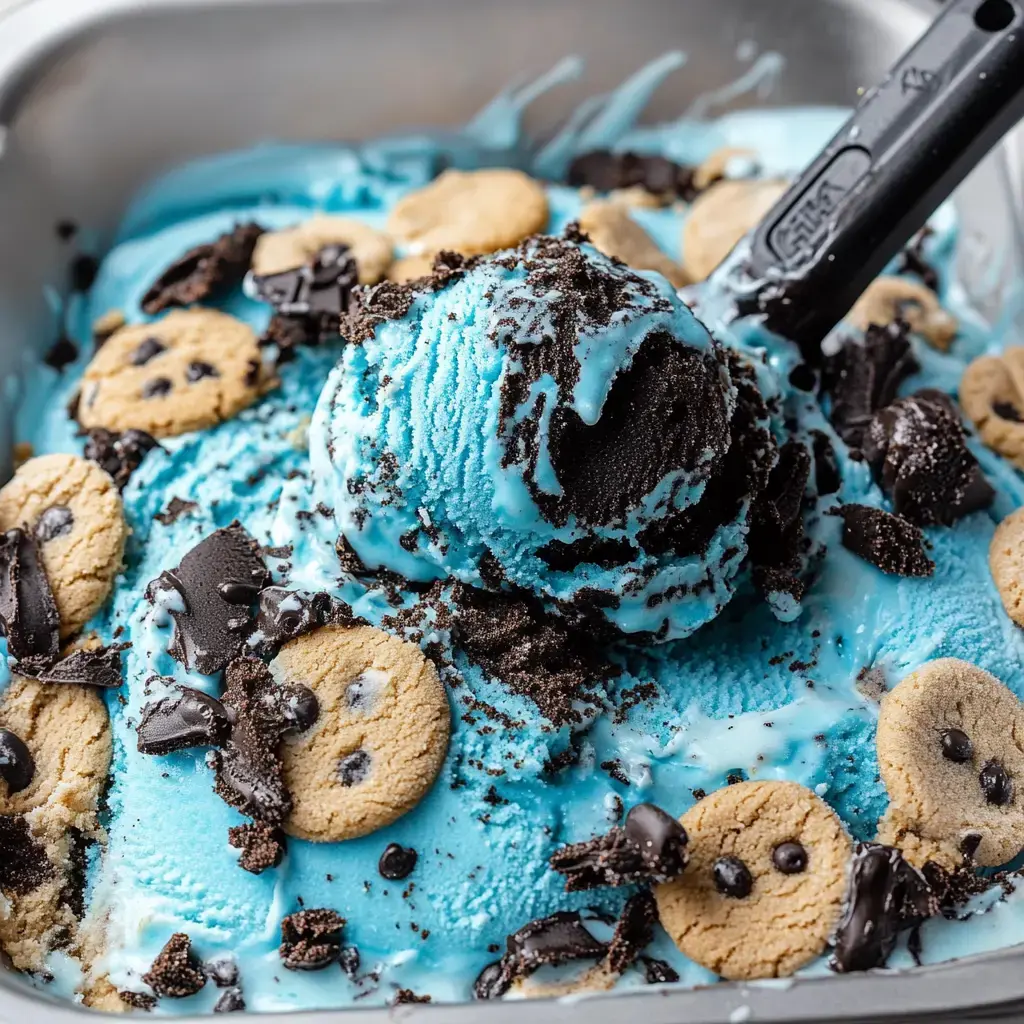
604 171
650 846
28 614
889 542
24 865
17 766
176 972
396 862
884 895
634 931
190 719
286 614
205 271
99 667
311 939
119 454
176 509
917 449
210 631
262 846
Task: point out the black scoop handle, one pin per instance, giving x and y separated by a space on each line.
909 143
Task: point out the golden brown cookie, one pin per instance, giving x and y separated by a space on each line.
278 251
992 397
380 739
765 882
917 851
950 752
615 233
897 298
720 217
473 213
74 510
1006 562
191 370
714 167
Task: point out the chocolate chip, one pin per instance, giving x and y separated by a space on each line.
119 454
176 973
790 858
189 719
205 271
211 630
16 763
996 784
658 972
24 865
262 846
28 614
198 370
354 768
396 862
230 1002
147 349
56 521
957 746
969 844
223 972
350 962
98 666
605 171
1007 411
732 878
63 352
157 387
889 542
311 939
176 508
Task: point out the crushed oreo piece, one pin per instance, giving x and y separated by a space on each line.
285 614
63 352
658 972
98 666
24 865
917 449
137 1000
190 719
351 961
223 972
231 1001
205 271
827 476
396 862
406 996
605 171
650 846
119 454
55 521
176 508
634 931
311 939
884 895
17 766
262 846
176 972
215 624
889 542
28 614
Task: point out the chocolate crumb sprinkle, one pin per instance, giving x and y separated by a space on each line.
311 939
176 973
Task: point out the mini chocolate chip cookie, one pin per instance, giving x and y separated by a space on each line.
765 882
381 737
615 233
992 397
279 251
74 511
472 213
949 751
898 298
1006 563
189 371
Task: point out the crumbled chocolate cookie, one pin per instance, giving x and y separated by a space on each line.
119 454
405 996
231 1001
137 1000
176 972
311 939
205 271
28 614
222 972
605 171
190 719
917 449
262 846
633 932
99 667
650 846
17 766
396 862
889 542
176 508
24 865
285 615
219 582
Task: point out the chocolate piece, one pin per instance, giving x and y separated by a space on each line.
147 350
199 370
63 352
827 477
176 973
790 858
354 768
99 667
633 932
119 454
996 784
732 878
889 542
212 630
605 171
405 996
350 961
396 862
157 387
17 765
204 271
957 746
84 269
190 719
230 1002
917 449
262 846
311 939
24 865
56 521
651 846
658 972
884 895
28 614
284 615
223 972
176 508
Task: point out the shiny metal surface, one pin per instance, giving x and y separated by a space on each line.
98 96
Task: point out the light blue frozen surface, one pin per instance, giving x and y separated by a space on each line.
747 693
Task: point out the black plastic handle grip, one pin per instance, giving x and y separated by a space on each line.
910 142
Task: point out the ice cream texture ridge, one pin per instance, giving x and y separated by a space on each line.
413 587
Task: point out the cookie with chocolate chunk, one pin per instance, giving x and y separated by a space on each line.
898 298
191 370
949 755
73 511
764 885
381 737
992 397
1006 562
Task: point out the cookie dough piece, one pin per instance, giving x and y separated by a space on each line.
765 882
191 370
1006 562
74 511
472 213
615 233
950 740
992 397
278 251
720 217
67 731
917 851
896 298
381 737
